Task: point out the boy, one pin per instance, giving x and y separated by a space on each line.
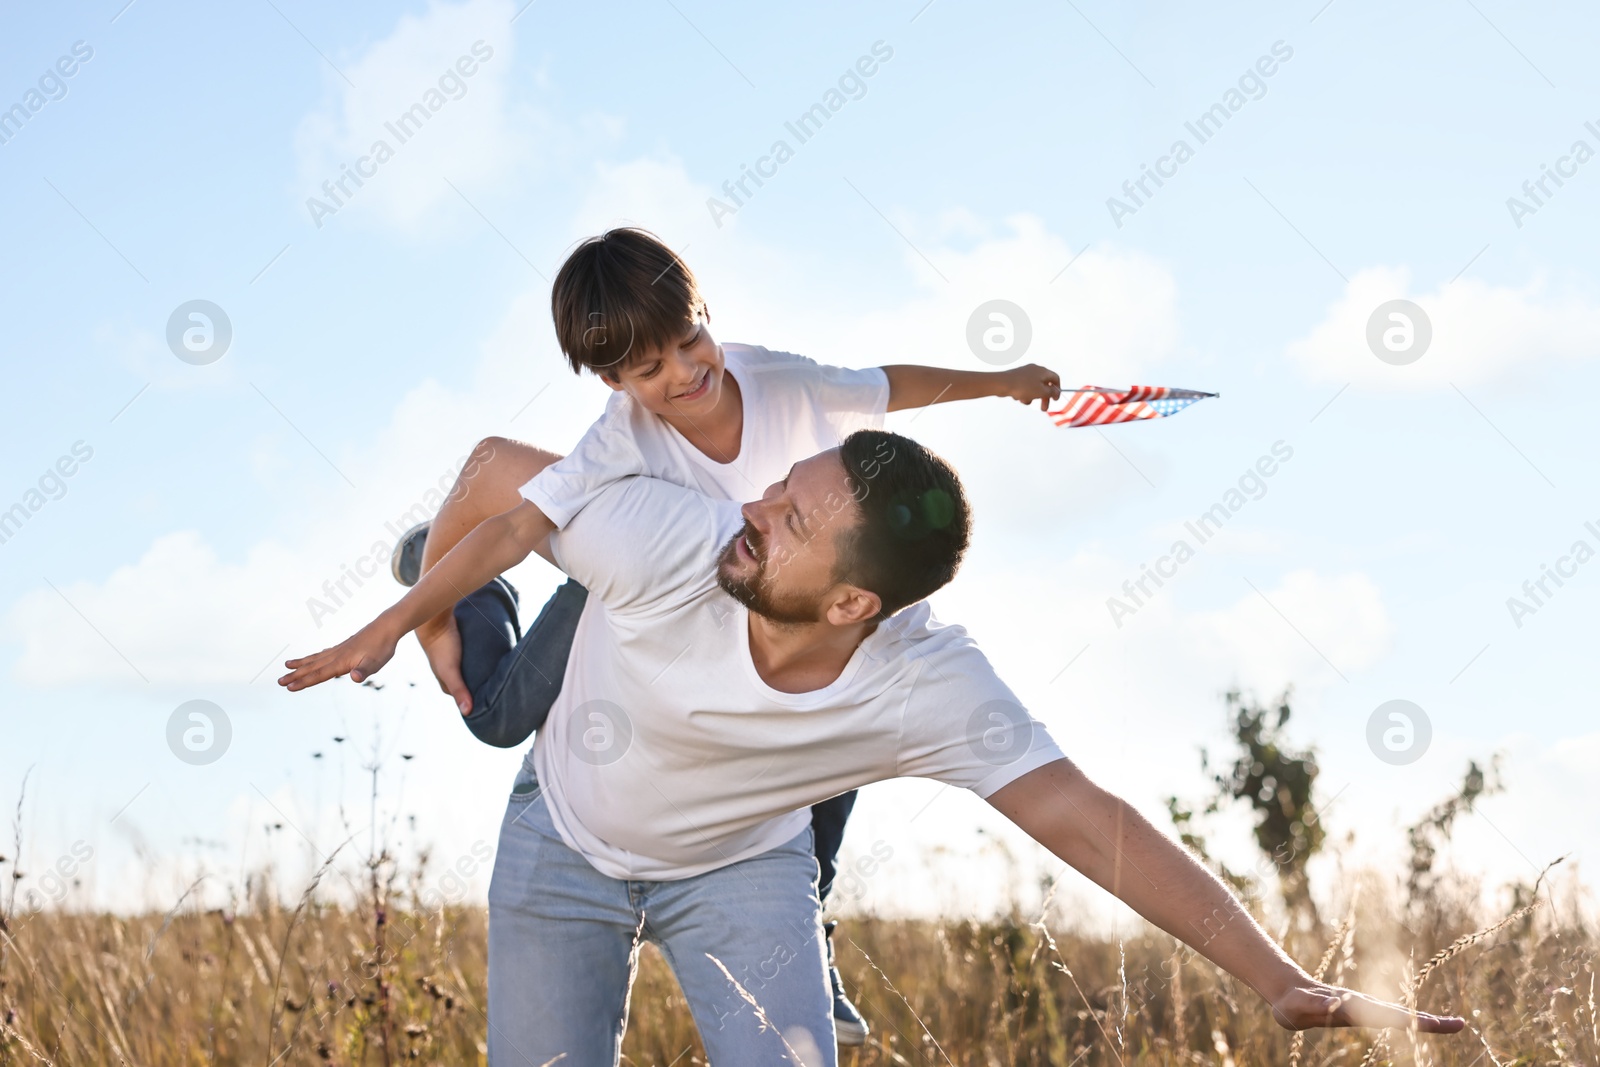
725 420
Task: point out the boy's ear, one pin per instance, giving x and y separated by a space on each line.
611 379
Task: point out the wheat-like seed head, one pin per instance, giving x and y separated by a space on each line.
1297 1043
1378 1048
1460 945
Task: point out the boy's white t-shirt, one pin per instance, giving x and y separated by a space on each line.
666 755
793 408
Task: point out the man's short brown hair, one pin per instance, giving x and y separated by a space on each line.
914 523
621 294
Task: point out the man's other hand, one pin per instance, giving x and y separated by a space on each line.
1316 1004
360 656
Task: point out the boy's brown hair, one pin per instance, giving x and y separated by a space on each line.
621 294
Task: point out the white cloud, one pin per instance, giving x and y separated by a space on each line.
1130 706
1110 319
470 130
182 614
1035 614
177 614
1481 332
1306 626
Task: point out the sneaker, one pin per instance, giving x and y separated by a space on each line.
848 1025
405 563
849 1028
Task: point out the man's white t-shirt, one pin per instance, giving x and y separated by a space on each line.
793 408
666 755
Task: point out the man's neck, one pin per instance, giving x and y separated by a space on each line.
719 434
802 657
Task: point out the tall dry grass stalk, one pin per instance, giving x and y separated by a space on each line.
1297 1043
745 995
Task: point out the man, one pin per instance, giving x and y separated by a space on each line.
713 695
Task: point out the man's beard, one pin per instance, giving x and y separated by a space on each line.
756 592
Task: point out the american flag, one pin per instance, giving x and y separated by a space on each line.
1097 406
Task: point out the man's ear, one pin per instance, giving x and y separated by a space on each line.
852 604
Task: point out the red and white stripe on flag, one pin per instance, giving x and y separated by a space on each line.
1097 406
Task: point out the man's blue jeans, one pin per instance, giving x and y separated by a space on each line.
563 944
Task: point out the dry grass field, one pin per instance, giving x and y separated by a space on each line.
388 983
370 964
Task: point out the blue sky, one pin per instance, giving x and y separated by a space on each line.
371 351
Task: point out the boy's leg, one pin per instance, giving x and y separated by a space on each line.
490 484
561 946
827 823
761 919
514 678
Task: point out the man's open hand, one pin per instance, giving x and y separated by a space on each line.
1030 383
360 656
1316 1004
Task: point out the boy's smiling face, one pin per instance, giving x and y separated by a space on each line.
683 379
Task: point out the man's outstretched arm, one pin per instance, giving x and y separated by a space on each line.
1116 848
495 545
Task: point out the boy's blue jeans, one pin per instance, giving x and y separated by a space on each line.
562 953
515 677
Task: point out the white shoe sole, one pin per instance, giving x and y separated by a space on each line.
850 1034
399 551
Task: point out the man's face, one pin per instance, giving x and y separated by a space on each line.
679 379
782 564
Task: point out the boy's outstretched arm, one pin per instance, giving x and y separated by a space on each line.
496 545
1118 849
911 386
